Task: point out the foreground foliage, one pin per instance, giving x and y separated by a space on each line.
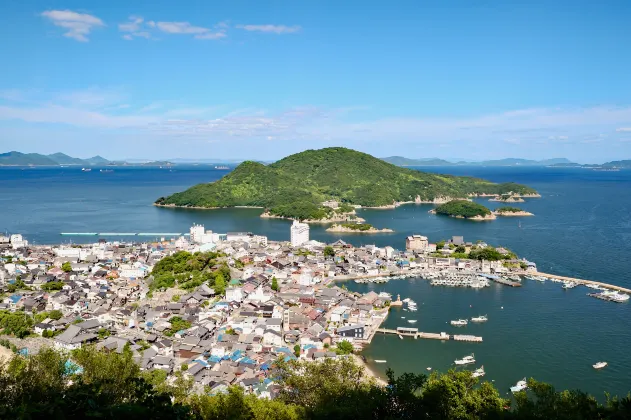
296 186
111 386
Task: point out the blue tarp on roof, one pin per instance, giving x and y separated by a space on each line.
201 362
236 355
247 361
214 359
282 350
265 366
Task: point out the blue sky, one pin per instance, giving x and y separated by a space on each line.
263 79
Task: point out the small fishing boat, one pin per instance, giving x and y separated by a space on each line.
481 318
412 321
400 336
459 322
380 361
467 360
478 372
600 365
519 386
429 368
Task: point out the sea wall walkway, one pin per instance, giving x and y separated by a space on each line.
412 332
581 281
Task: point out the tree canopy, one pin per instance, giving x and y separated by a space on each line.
462 208
110 385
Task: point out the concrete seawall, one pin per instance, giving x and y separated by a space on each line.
580 281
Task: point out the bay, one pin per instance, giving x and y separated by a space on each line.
581 228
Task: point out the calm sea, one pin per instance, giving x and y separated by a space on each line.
581 228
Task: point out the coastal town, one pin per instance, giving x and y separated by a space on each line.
274 299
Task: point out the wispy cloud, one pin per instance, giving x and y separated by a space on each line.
77 25
272 29
623 129
198 32
111 109
134 27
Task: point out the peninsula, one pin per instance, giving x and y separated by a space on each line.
300 185
464 209
356 228
511 211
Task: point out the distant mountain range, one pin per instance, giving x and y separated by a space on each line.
402 161
36 159
57 159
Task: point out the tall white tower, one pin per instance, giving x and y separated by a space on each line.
197 233
299 233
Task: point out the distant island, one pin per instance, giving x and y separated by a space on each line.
299 185
356 228
511 211
55 159
464 209
403 161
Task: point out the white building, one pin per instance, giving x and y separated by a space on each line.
299 233
197 232
18 242
234 294
416 243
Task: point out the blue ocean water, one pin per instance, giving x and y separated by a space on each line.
581 228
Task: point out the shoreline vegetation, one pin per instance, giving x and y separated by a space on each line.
357 228
300 186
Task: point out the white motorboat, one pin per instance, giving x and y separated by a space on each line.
519 386
467 360
400 336
619 297
429 368
402 317
412 321
459 322
600 365
478 372
380 361
86 169
481 318
569 285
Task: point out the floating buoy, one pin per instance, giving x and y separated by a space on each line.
502 307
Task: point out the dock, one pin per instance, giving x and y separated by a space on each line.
505 282
581 281
415 333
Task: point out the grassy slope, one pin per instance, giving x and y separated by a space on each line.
308 178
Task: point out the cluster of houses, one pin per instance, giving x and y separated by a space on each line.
102 291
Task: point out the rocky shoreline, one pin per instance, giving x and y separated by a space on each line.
338 219
513 199
478 218
513 213
343 229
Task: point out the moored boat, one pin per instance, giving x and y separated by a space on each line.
600 365
481 318
380 361
478 372
519 386
459 322
467 360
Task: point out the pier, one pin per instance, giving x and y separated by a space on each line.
413 332
580 281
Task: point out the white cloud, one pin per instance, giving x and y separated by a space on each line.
187 28
135 27
273 29
78 25
623 129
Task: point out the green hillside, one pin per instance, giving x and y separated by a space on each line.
462 208
296 185
17 158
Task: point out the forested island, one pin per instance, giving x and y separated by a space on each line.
356 228
464 209
296 186
511 211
